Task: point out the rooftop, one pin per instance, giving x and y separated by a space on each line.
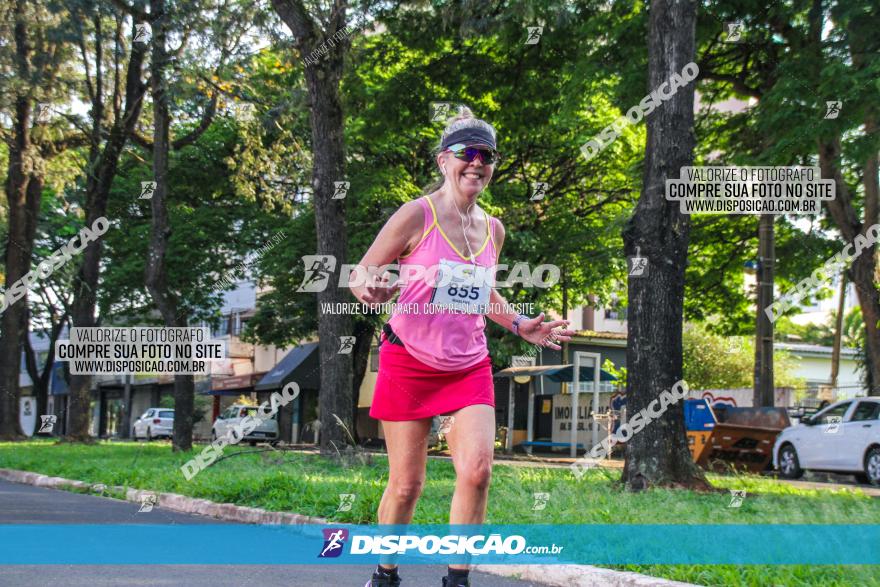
600 334
813 349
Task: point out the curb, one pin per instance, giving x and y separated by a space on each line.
550 575
578 576
171 501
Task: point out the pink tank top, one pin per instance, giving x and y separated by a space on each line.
443 339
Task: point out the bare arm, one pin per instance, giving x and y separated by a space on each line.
388 245
533 330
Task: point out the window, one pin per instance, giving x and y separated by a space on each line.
834 414
147 414
587 386
866 411
254 412
166 414
223 327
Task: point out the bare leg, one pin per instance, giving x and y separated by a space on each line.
407 444
472 443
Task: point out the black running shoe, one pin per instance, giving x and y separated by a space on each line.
458 582
383 581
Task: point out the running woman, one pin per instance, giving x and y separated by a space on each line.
436 363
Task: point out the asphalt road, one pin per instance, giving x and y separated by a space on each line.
25 504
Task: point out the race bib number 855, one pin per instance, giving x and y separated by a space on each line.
463 287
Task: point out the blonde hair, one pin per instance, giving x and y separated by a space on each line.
464 118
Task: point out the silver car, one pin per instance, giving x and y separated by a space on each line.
154 423
266 431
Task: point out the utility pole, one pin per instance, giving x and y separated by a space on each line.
838 330
763 390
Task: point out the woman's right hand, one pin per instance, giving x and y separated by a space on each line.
378 290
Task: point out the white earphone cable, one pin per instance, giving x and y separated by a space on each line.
464 228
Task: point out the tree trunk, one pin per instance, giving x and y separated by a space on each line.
42 378
763 380
868 267
838 334
658 455
364 332
23 191
15 319
98 183
160 229
328 152
861 273
862 42
328 167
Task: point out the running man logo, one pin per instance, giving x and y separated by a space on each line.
243 111
341 188
638 265
541 500
539 190
734 32
446 423
41 113
142 32
334 541
736 498
346 344
47 423
522 361
832 424
147 189
346 500
832 109
736 346
147 503
440 111
318 269
534 35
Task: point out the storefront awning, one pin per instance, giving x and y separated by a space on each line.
301 366
555 373
232 385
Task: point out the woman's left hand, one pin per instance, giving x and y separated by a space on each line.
536 331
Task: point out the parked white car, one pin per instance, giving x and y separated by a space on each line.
154 423
844 438
266 431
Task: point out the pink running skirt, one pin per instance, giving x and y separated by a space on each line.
407 389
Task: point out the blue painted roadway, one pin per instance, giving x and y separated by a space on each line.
25 504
